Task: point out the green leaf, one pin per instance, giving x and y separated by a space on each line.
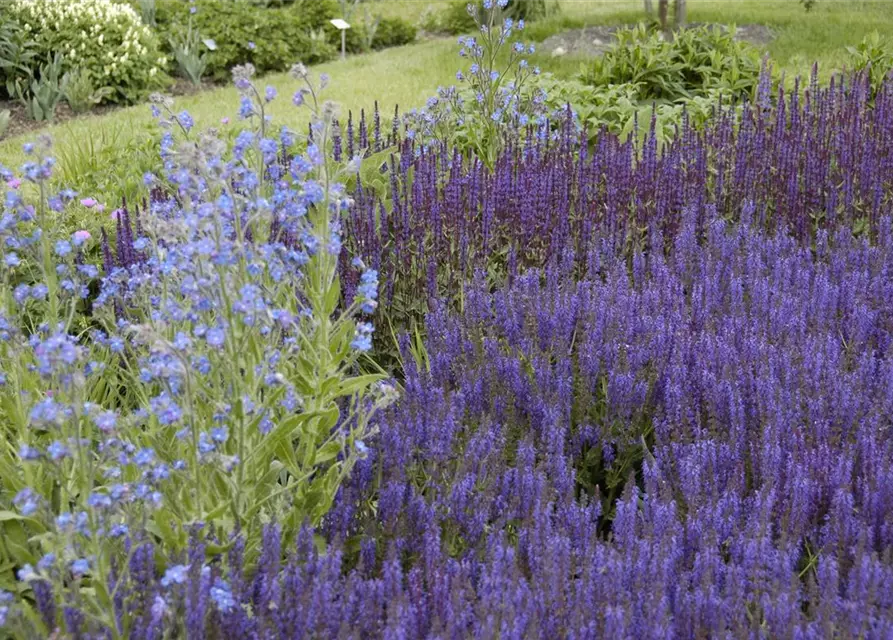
6 516
333 296
327 452
354 385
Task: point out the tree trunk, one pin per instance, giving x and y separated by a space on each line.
680 13
662 11
649 8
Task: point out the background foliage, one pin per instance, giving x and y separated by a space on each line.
102 38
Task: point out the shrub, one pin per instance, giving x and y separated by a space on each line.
456 18
42 94
191 52
621 110
393 32
387 32
104 38
874 55
695 61
315 13
526 9
79 92
453 20
270 39
18 58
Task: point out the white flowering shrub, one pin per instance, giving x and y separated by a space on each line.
103 38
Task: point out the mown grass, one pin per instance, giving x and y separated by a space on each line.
108 153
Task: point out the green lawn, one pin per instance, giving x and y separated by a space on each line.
406 76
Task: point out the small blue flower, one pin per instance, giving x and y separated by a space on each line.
80 566
106 421
216 337
185 120
165 409
175 575
29 453
99 500
57 451
63 248
27 573
363 338
144 458
47 561
26 501
204 445
182 341
222 596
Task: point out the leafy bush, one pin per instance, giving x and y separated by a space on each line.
270 39
620 109
104 38
18 58
386 33
526 9
695 61
453 20
874 55
314 13
79 92
191 52
393 32
456 19
42 94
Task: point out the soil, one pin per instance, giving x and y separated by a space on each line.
594 41
20 123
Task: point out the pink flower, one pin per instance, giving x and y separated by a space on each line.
80 237
114 214
14 183
224 120
88 202
100 208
